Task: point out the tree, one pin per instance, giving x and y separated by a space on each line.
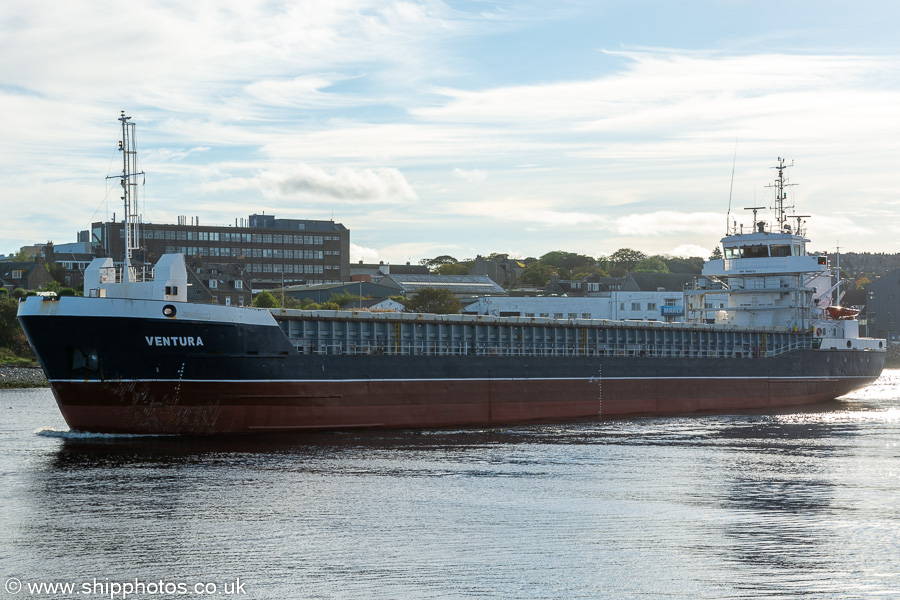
265 299
677 264
11 335
624 260
453 269
345 298
291 302
651 264
716 254
568 261
537 275
57 272
439 301
437 261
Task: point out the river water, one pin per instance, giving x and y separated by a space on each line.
794 504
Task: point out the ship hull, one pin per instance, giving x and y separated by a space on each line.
189 407
125 371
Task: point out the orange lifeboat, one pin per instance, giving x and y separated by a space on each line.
841 313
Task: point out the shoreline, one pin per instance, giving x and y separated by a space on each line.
22 377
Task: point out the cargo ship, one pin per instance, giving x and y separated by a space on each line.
134 356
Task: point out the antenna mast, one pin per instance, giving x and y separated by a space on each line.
129 195
780 194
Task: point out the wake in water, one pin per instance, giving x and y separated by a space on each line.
87 435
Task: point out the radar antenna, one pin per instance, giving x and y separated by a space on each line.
780 194
759 226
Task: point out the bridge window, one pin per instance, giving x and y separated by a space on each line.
754 251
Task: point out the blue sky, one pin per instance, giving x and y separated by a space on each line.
457 128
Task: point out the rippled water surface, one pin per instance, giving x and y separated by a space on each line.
796 504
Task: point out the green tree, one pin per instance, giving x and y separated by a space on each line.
651 264
716 254
11 335
433 263
265 299
291 302
57 272
344 299
537 275
677 264
439 301
568 261
453 269
624 260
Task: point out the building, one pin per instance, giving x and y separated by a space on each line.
375 272
503 271
29 275
257 253
883 307
464 287
619 306
323 292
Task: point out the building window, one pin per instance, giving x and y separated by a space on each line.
213 284
635 306
238 284
651 306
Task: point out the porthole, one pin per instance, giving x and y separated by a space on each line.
849 344
169 310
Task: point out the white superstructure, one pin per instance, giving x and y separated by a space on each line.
767 278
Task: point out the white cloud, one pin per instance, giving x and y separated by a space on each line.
670 223
472 176
361 253
354 185
316 184
690 250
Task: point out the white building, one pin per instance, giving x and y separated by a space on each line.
640 306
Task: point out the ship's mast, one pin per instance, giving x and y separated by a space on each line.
780 194
129 195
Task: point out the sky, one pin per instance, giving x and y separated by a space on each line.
457 127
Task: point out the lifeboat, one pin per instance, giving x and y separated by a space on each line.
842 313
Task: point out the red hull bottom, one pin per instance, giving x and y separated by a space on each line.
234 407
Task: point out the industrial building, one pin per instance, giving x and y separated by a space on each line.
231 261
